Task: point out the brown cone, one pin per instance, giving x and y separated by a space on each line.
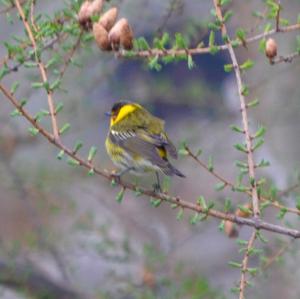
84 14
127 38
87 10
121 34
109 18
230 229
101 37
271 48
95 7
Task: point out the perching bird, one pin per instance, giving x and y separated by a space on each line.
137 143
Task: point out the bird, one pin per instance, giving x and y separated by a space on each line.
137 142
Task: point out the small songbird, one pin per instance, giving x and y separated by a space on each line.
137 143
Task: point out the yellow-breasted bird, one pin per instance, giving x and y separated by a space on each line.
137 143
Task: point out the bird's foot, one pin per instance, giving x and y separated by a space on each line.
157 188
115 178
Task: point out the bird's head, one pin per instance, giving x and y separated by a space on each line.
120 110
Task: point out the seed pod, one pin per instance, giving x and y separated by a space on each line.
121 33
87 10
101 37
271 48
127 39
230 229
95 8
84 13
109 18
114 36
127 36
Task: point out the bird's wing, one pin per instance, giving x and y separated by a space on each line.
160 140
138 145
151 129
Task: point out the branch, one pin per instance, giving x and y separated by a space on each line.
235 64
288 58
42 70
70 55
243 281
275 256
173 6
205 50
288 190
256 223
277 28
228 183
258 21
32 15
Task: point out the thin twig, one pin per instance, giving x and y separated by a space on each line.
258 21
288 58
243 281
277 28
213 172
70 55
228 183
288 190
32 15
251 165
42 71
275 256
252 222
173 6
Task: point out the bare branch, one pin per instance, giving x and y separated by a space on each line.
277 28
277 254
32 15
251 165
42 70
288 190
228 183
204 50
70 55
288 58
174 6
243 281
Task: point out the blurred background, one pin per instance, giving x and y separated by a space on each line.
58 220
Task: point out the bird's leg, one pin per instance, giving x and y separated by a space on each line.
156 186
117 176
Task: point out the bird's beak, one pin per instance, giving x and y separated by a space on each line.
108 113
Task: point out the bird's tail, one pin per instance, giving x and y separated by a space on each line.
170 170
